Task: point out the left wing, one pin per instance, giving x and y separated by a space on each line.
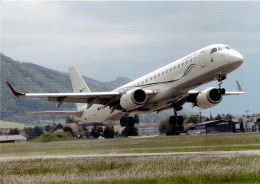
58 113
104 98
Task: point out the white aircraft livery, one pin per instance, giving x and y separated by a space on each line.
168 87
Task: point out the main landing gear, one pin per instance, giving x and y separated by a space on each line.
176 123
220 78
176 120
127 121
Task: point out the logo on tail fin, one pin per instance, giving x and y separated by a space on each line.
81 90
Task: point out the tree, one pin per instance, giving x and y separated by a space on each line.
109 131
164 125
14 131
193 119
68 129
97 132
130 131
47 128
218 117
33 132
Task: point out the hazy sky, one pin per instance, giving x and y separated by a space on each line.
105 40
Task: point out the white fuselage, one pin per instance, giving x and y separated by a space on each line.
173 81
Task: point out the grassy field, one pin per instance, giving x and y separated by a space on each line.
133 170
223 142
8 124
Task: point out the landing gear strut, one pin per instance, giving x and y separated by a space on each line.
220 78
127 121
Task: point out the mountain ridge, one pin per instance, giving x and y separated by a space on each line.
29 77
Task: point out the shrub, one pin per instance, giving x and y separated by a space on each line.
109 131
57 136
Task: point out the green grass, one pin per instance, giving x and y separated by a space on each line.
223 142
8 124
134 170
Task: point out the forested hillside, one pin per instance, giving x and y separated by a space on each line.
28 77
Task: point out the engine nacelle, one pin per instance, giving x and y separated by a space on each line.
133 99
209 97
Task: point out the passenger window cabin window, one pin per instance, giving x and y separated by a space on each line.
155 76
170 69
178 66
187 62
158 75
213 50
182 64
190 60
174 68
151 78
166 71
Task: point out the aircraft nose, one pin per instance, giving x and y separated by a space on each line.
236 57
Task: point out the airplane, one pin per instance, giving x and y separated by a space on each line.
170 86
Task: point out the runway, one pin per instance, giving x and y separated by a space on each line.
187 154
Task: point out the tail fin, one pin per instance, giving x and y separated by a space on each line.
78 84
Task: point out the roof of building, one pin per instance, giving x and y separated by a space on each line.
6 138
190 125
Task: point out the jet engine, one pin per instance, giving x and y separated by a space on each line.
209 97
133 99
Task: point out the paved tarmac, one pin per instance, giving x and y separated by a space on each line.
207 153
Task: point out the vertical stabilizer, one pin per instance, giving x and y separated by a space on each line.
78 84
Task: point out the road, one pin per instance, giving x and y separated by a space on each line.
208 153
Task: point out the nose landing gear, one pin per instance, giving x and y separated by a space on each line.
220 79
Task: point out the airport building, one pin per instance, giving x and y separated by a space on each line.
219 126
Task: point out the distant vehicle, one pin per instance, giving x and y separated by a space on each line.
168 87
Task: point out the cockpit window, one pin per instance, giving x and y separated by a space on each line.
221 48
213 50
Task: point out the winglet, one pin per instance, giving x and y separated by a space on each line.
15 92
239 87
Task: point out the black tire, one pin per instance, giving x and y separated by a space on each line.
123 121
131 121
173 120
180 120
223 91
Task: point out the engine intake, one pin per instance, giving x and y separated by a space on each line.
209 97
133 99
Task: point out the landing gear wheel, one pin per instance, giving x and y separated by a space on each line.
131 121
180 120
173 120
127 121
123 121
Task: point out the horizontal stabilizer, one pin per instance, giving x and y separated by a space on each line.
240 90
58 113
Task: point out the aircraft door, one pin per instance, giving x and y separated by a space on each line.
202 59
